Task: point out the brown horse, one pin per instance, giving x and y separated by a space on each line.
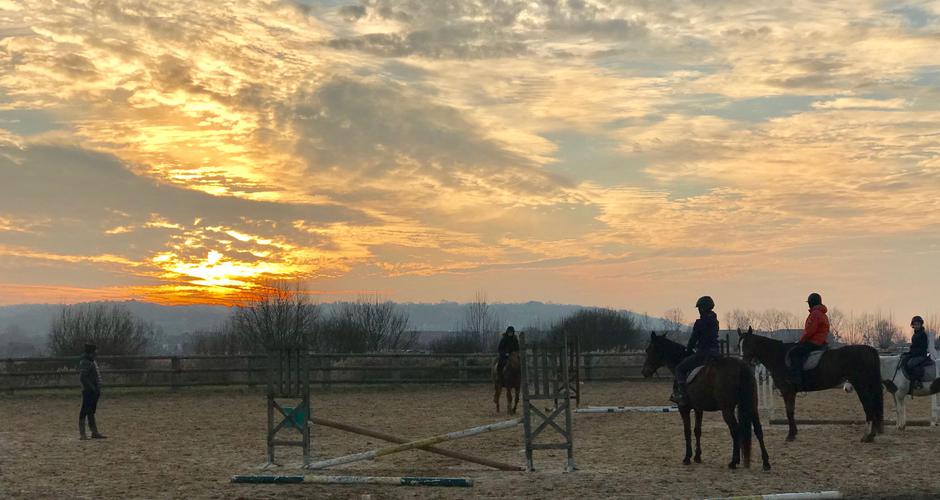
723 385
510 378
858 364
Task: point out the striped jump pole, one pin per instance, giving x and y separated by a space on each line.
463 482
628 409
421 443
809 495
399 440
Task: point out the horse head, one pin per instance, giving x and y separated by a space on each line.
746 345
655 354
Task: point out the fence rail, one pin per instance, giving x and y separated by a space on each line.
325 369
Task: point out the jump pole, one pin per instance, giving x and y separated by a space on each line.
628 409
837 421
809 495
392 481
379 452
432 449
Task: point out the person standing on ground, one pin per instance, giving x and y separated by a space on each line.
91 392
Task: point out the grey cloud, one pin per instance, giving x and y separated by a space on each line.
366 128
76 66
82 194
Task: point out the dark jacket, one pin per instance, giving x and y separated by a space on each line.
508 344
704 337
918 343
88 374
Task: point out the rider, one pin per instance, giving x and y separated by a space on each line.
703 342
814 338
508 344
914 358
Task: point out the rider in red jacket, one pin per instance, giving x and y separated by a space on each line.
814 338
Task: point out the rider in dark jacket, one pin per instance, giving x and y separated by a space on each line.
703 345
508 344
914 358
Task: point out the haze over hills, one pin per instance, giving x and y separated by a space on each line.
30 322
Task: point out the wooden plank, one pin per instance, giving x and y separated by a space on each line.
432 449
391 481
440 438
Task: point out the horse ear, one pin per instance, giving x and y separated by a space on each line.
750 330
652 334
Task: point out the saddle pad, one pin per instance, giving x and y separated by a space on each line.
693 373
930 372
812 361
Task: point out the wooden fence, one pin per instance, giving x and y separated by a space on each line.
326 369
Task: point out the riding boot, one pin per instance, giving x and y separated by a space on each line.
795 376
679 396
94 428
81 428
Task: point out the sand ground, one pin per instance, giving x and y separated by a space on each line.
187 443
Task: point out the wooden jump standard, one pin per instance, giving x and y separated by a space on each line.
420 443
432 449
394 481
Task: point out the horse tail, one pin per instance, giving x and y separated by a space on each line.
747 406
878 398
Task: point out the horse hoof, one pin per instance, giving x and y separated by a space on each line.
766 466
868 439
791 438
686 461
698 460
732 465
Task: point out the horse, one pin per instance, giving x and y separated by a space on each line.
722 385
511 379
858 364
897 383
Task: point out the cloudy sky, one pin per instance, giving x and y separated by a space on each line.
630 154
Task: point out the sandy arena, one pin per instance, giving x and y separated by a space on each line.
186 444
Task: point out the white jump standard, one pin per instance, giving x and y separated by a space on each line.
628 409
391 481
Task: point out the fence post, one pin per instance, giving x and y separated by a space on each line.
175 376
9 377
462 368
327 372
588 362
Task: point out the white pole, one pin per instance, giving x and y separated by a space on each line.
378 452
809 495
628 409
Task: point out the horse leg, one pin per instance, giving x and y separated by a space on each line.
728 414
789 399
497 393
687 431
516 399
509 407
900 402
759 434
868 399
698 436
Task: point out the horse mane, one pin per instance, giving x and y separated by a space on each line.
674 350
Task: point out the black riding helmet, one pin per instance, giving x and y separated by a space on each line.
917 319
705 302
510 330
814 299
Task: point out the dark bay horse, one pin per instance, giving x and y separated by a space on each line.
723 385
510 379
858 364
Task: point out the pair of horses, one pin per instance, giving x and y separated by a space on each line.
726 384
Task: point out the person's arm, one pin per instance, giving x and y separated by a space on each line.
696 333
812 324
86 375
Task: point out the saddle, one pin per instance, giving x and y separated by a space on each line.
930 370
811 361
695 371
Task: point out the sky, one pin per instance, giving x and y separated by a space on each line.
622 154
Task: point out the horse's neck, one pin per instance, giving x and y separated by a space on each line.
770 353
676 354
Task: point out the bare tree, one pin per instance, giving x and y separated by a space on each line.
837 322
739 318
885 334
383 325
112 327
675 320
772 320
481 322
277 315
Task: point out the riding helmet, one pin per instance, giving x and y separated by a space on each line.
510 330
705 302
814 299
917 319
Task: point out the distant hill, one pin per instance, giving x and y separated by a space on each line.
27 325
